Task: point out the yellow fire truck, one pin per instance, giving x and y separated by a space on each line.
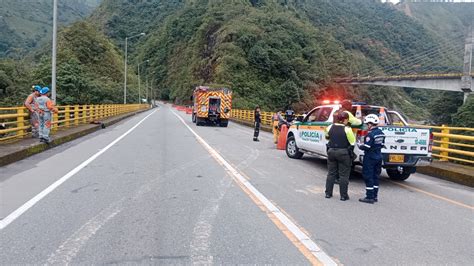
212 105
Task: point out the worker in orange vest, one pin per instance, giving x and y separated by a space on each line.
45 107
30 104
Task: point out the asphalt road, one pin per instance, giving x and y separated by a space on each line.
159 195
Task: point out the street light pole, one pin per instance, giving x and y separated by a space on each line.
139 96
139 80
125 75
53 60
125 70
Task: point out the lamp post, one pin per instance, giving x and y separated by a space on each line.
139 94
53 59
125 72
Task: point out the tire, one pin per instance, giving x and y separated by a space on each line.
224 123
292 150
200 121
396 175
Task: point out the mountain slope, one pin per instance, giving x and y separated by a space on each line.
24 27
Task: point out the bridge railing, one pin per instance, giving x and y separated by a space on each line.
453 143
17 125
450 143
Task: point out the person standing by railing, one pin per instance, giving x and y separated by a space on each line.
30 104
258 121
45 107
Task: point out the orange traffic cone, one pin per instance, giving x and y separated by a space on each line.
282 138
382 116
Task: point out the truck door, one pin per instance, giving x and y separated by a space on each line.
214 108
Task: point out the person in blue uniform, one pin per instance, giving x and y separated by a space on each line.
372 163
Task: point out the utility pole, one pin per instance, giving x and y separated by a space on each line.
53 60
125 74
466 79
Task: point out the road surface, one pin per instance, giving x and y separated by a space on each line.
157 189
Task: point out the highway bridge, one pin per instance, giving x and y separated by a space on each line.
423 71
156 189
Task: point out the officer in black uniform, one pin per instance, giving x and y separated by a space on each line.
372 164
340 145
258 121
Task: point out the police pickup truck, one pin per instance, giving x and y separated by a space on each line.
405 147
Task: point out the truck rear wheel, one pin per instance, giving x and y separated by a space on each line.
291 149
200 121
394 174
224 123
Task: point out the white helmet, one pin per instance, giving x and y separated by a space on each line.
372 118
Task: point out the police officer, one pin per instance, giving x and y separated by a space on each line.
341 141
372 164
258 121
346 106
289 114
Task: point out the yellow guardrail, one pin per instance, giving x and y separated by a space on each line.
15 120
248 115
449 143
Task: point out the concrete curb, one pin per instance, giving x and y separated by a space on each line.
446 174
40 147
436 169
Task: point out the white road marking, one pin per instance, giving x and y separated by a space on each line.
202 232
22 209
69 249
303 238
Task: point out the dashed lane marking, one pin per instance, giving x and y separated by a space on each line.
298 237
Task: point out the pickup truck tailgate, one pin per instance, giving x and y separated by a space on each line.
406 140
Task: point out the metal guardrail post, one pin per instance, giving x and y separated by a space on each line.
76 115
67 116
444 144
84 113
20 121
55 122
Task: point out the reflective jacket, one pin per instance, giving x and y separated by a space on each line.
45 104
373 144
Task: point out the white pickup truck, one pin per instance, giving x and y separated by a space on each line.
405 147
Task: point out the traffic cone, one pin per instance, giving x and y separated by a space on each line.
382 116
359 112
282 138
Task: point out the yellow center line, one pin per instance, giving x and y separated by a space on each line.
435 196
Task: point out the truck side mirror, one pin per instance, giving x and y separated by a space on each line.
191 98
226 110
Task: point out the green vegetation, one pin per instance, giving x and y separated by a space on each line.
90 70
26 25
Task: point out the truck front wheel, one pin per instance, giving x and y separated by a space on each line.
291 149
394 174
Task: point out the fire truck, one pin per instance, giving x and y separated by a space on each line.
211 105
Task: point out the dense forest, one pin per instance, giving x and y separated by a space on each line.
272 53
